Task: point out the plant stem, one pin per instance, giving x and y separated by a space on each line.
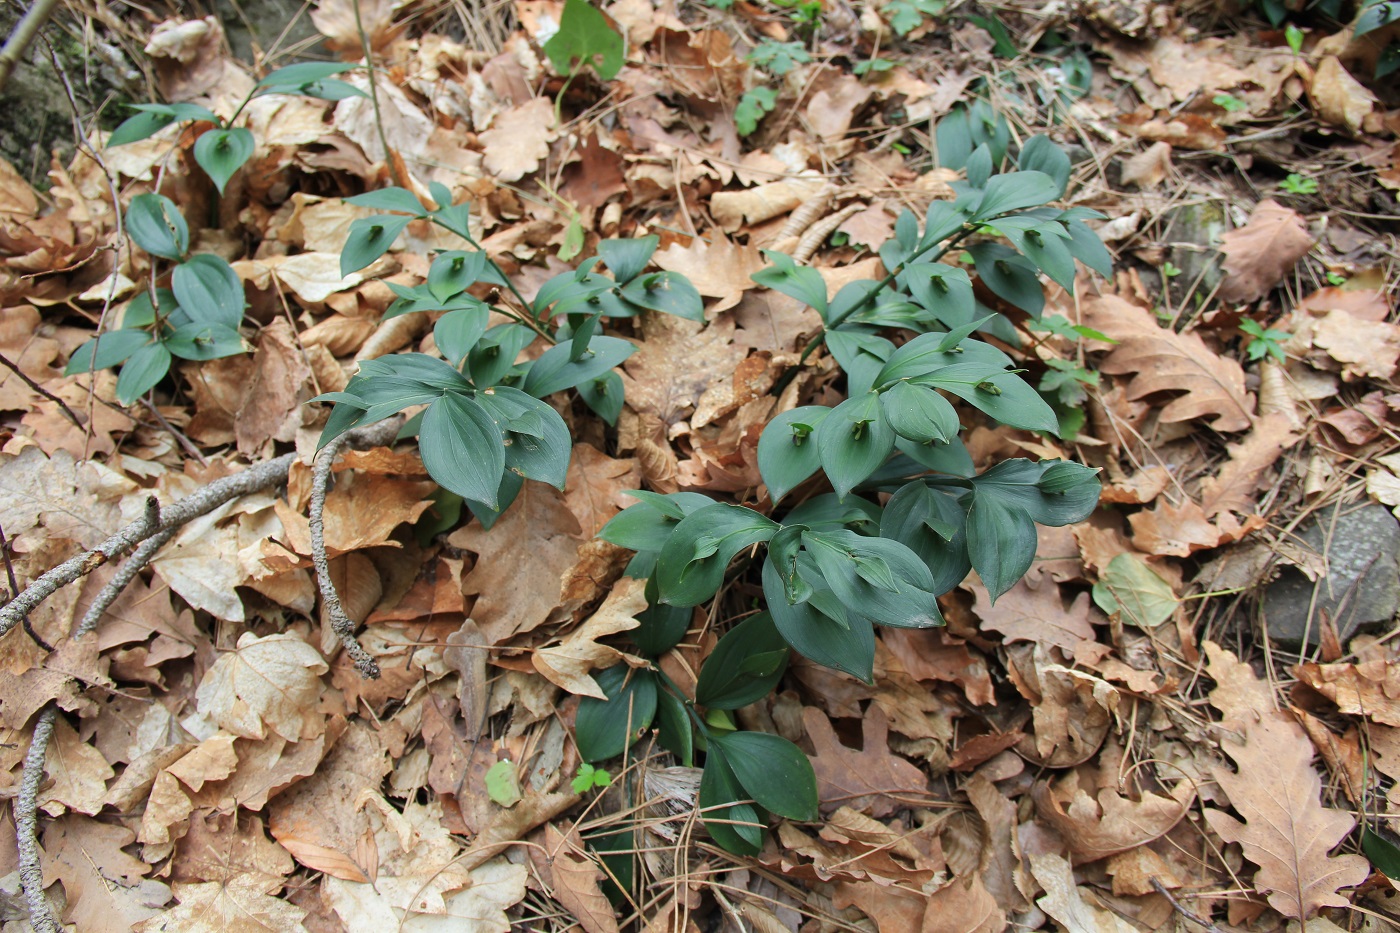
24 34
374 97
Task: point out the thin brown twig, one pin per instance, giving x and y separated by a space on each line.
23 35
374 96
14 368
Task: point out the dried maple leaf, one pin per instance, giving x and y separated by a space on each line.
863 779
273 681
1285 830
1259 254
1161 360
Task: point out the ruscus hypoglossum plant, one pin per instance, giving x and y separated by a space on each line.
906 518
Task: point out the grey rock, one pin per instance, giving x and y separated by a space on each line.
1360 588
1192 234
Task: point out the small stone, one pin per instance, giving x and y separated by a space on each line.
1361 586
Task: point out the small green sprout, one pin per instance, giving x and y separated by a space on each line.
589 777
1264 342
1170 270
1294 37
1297 184
1336 278
1229 103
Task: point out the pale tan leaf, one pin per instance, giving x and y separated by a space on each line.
273 681
1366 349
1339 98
1063 900
715 265
77 774
1099 825
519 139
241 905
1235 486
567 664
1259 254
106 888
963 906
575 878
1285 829
1162 361
678 360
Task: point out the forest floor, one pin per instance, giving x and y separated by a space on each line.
1186 716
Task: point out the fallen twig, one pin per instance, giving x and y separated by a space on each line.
14 368
1189 915
31 870
24 34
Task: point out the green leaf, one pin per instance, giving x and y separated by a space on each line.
456 332
1009 275
846 645
454 272
662 627
1001 543
931 524
603 395
737 827
461 448
1383 854
304 73
1040 154
601 727
155 224
627 258
503 783
146 367
754 104
1134 590
667 292
1014 191
879 578
199 340
1020 483
209 290
745 666
774 772
693 560
861 353
647 525
222 152
554 371
1004 396
787 450
140 126
106 350
390 199
324 89
801 282
494 354
537 442
928 353
854 440
942 289
585 39
368 239
511 484
674 731
919 413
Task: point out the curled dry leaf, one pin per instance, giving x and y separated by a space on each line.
1339 98
567 664
1063 900
1161 361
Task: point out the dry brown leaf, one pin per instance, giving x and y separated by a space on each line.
76 773
678 360
1370 688
106 888
869 779
281 383
1034 611
1285 830
273 681
894 910
933 654
733 209
715 265
830 110
1339 98
596 486
1235 486
519 139
520 562
574 878
1259 254
1366 349
1148 168
1181 530
1097 826
241 905
1163 361
963 906
1063 900
567 664
339 22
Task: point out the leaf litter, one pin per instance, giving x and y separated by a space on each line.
1112 745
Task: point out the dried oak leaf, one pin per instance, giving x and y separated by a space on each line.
863 780
1285 829
1033 611
1370 688
1063 900
273 681
106 888
567 664
677 362
716 266
1161 360
596 486
1366 349
1096 826
1235 486
1259 254
1181 530
1339 98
